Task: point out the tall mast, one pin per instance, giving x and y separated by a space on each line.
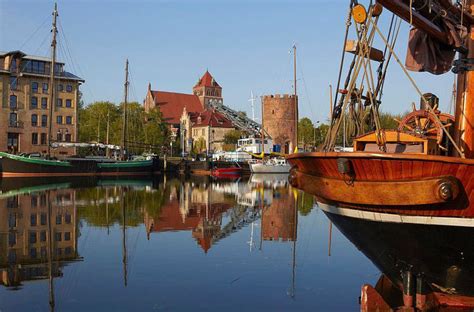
50 255
464 114
124 238
295 95
51 79
293 262
107 133
125 100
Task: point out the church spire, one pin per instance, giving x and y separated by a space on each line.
207 89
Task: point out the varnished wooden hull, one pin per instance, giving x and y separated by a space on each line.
388 183
439 256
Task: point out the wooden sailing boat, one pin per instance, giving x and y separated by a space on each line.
420 173
411 187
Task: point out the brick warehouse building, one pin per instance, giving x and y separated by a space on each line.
183 111
25 103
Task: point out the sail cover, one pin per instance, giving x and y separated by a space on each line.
426 54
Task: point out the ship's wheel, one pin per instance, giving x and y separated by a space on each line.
426 123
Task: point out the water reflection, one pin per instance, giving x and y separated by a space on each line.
40 223
34 224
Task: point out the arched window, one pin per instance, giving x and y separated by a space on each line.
44 120
34 120
13 102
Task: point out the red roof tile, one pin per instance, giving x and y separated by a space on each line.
211 118
171 104
207 81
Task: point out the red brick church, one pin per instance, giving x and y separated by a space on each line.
173 105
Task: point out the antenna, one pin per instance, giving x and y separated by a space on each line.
252 103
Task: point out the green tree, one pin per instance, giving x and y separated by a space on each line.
146 131
232 137
389 121
305 132
155 130
93 121
305 203
199 145
321 132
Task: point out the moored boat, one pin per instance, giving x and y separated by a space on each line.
425 167
23 166
272 165
404 196
38 166
128 167
423 266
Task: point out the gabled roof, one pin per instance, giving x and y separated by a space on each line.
171 104
210 118
207 81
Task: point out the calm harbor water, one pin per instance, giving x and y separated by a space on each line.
173 244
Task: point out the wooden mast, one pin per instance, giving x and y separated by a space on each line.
51 79
125 100
124 238
464 114
295 99
50 255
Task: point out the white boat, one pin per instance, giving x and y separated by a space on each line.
272 165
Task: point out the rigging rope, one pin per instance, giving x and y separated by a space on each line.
351 82
341 65
417 89
34 33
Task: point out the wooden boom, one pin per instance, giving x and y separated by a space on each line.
419 21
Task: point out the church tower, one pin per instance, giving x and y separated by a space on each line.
207 89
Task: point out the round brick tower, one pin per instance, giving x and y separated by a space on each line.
280 121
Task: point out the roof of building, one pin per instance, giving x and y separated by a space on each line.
170 219
212 118
171 104
207 81
30 57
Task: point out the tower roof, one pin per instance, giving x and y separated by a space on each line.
207 81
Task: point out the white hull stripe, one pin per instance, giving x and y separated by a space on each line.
396 218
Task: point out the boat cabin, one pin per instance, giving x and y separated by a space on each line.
397 142
254 145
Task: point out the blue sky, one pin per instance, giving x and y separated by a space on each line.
244 44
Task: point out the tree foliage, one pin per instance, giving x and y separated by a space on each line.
232 136
306 133
199 145
146 131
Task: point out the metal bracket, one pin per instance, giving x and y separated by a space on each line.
462 65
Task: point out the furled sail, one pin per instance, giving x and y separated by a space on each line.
426 54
